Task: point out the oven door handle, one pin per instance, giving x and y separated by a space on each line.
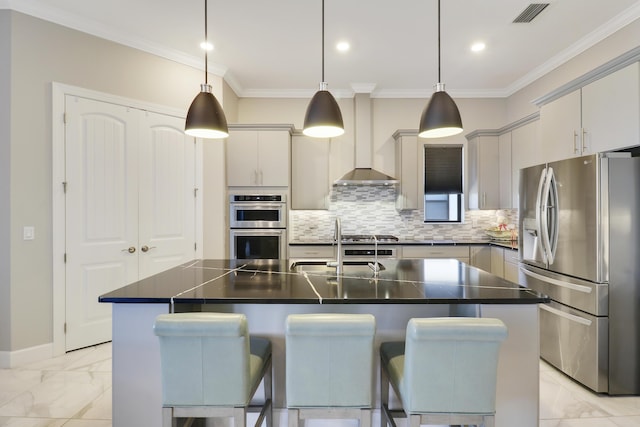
567 316
572 286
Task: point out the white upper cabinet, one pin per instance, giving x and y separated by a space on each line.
560 133
525 152
310 186
408 162
611 111
257 158
483 163
506 180
601 116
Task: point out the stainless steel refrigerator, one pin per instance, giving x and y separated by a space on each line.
580 245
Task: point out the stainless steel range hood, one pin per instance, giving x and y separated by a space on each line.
364 174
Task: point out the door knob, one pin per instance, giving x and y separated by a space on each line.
146 248
131 249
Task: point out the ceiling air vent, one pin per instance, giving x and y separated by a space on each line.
530 12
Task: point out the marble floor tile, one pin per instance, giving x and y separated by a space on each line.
74 390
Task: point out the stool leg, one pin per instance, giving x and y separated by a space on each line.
294 417
384 396
167 417
268 394
240 417
365 418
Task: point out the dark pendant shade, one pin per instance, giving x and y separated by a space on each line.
440 117
206 118
323 118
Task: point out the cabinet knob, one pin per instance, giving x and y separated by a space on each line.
130 249
146 248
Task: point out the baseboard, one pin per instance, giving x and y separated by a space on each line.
14 359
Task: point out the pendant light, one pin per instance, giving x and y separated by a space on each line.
323 118
441 116
206 118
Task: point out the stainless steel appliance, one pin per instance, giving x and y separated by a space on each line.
580 245
258 226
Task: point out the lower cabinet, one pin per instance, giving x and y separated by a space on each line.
480 257
504 263
511 260
318 252
459 252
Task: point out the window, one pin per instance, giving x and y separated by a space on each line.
443 192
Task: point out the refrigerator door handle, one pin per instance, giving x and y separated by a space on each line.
543 175
544 215
567 316
572 286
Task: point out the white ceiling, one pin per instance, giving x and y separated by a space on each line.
273 48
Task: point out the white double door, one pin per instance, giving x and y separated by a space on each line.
130 206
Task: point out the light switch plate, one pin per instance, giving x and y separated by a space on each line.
28 233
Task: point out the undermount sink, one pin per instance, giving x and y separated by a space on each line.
349 267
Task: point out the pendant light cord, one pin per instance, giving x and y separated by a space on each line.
439 79
206 42
322 41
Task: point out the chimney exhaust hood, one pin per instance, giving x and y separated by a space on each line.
364 174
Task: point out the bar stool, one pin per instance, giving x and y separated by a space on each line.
212 368
329 366
444 373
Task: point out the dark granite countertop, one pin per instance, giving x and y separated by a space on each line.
407 281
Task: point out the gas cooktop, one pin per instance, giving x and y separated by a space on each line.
368 238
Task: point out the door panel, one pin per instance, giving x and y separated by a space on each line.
577 252
530 239
101 214
167 200
130 206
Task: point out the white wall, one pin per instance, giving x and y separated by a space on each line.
5 175
519 104
41 53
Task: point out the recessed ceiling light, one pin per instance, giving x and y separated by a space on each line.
478 47
343 46
206 46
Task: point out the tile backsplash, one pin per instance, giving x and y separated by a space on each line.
371 210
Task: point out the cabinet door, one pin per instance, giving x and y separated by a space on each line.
309 172
506 179
459 252
525 152
325 252
497 261
610 111
560 123
511 265
273 158
484 172
407 171
480 256
242 158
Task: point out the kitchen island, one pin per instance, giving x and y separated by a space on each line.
267 291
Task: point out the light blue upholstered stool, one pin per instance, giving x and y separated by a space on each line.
329 366
444 373
212 368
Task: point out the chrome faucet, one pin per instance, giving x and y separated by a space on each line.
375 266
337 236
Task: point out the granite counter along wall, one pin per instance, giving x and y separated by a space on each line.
371 210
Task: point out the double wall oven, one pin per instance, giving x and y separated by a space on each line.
258 226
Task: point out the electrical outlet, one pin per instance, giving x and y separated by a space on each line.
28 233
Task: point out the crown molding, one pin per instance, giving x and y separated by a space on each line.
41 9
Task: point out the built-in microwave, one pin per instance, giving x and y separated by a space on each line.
258 243
257 211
